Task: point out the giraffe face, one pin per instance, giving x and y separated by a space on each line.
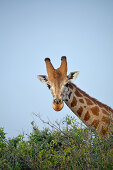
57 81
57 85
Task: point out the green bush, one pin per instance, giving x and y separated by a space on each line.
64 145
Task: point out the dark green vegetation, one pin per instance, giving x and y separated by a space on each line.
64 146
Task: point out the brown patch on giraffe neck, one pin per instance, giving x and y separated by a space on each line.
87 116
69 95
105 112
79 111
109 109
88 101
95 110
106 120
81 100
71 86
77 93
74 102
95 123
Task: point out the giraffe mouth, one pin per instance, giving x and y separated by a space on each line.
58 107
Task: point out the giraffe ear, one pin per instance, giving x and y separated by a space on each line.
43 78
72 76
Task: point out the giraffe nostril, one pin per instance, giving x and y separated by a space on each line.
55 101
59 100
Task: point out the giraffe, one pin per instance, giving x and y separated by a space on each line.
92 112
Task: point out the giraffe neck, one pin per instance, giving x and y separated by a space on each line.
92 112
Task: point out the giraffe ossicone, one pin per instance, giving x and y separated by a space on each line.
92 112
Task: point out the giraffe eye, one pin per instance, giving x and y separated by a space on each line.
67 84
48 86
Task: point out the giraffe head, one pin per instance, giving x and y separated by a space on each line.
57 81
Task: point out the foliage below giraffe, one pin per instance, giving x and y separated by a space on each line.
63 145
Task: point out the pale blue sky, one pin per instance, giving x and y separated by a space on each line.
31 30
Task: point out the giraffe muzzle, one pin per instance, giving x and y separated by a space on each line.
57 104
